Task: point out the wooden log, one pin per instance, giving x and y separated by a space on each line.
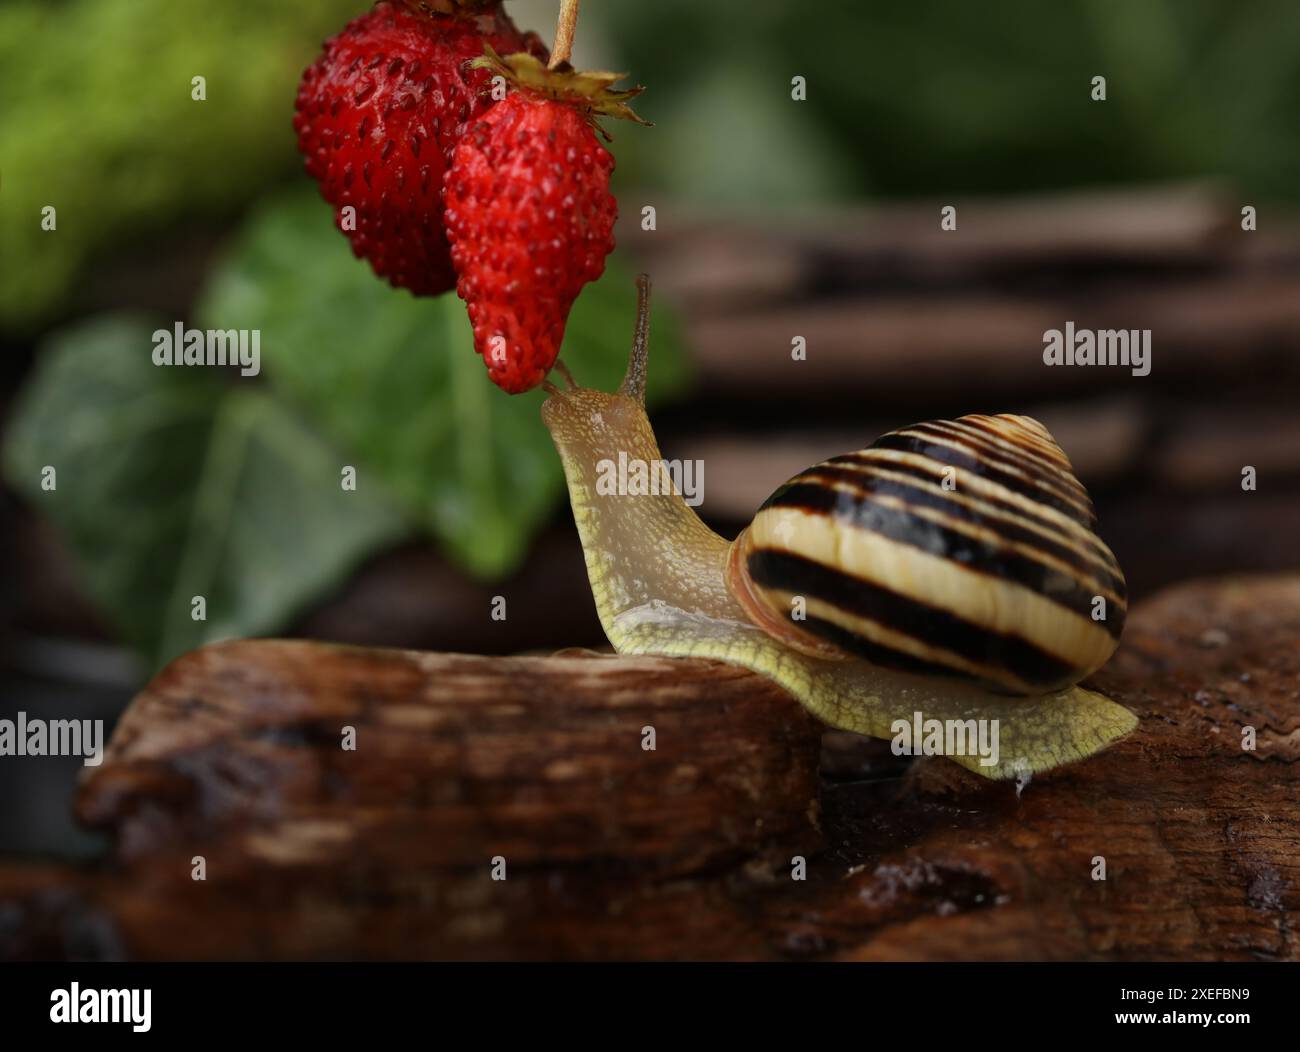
978 344
541 760
711 264
875 291
1211 445
312 851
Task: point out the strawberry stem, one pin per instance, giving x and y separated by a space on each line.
564 30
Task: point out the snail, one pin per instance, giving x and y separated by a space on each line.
951 569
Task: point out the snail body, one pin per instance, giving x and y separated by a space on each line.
867 586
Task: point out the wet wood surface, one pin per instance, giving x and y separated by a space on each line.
234 754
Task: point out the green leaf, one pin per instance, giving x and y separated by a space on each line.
395 378
171 485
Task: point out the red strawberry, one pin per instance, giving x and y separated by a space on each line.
529 214
378 115
530 219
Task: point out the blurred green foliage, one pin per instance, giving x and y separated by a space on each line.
171 485
396 380
97 119
919 97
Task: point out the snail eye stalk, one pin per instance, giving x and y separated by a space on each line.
634 380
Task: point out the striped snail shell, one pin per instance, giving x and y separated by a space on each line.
963 547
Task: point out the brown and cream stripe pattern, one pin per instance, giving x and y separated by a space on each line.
993 579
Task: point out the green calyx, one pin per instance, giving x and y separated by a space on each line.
588 90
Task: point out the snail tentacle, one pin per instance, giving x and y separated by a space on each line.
634 380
